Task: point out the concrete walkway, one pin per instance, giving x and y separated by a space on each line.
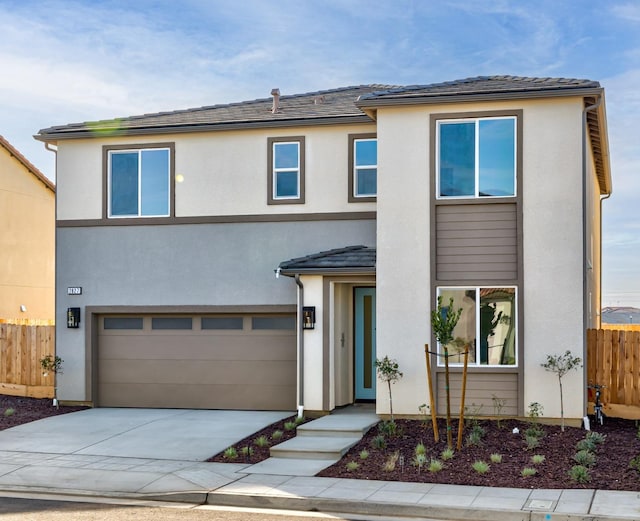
156 455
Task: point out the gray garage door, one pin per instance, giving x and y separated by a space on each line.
199 362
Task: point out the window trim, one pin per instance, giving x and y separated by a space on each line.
352 177
106 182
271 177
516 317
437 119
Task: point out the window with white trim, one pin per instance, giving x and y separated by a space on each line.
138 182
286 170
487 325
476 157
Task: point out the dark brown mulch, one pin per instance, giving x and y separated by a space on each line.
16 410
611 471
257 453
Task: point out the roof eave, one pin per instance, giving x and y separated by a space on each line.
434 99
53 137
290 272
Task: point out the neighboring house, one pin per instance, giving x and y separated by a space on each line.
263 254
27 238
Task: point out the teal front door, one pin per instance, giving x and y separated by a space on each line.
365 344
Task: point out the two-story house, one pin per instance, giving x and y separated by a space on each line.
263 254
27 237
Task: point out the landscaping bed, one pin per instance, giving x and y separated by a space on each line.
16 410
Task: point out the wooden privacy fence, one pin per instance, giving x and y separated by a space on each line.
22 346
613 360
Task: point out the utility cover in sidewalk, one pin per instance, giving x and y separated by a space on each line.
538 504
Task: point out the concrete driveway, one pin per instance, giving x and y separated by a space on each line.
169 434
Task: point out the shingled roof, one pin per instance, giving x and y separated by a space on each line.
361 259
480 86
326 106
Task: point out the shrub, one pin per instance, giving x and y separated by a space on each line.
533 442
579 474
535 411
277 435
364 454
635 463
534 431
586 444
290 426
585 458
420 448
352 465
299 420
596 437
481 467
447 454
10 411
390 464
496 458
419 461
378 442
537 459
388 428
261 441
528 472
435 465
247 451
230 453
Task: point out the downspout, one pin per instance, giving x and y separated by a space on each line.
48 147
602 198
585 241
300 347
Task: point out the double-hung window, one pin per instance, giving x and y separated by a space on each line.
139 182
487 325
363 167
476 157
286 170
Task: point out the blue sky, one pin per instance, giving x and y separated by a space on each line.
65 61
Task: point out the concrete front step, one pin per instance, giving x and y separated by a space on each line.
315 447
339 425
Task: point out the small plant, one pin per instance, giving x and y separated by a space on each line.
579 474
435 466
586 444
378 442
420 460
535 412
537 459
388 371
230 453
474 438
420 448
528 472
561 365
352 465
247 451
585 458
498 405
425 411
535 431
364 454
596 437
10 411
52 364
533 442
261 441
299 420
635 463
481 467
390 463
290 426
496 458
277 435
388 428
447 454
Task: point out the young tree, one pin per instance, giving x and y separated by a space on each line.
561 365
388 371
443 322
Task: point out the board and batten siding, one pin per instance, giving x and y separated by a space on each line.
476 242
481 390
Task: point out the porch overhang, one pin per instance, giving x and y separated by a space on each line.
356 260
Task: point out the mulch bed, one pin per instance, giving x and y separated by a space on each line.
16 410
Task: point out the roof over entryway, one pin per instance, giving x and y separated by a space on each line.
350 259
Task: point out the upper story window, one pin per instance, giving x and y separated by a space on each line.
363 167
476 157
286 170
139 181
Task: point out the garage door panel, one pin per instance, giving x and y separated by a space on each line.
197 368
212 396
149 347
186 372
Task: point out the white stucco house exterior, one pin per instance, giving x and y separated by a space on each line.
263 254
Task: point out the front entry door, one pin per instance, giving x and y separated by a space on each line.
365 343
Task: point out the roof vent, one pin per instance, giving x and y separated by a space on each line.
276 100
318 100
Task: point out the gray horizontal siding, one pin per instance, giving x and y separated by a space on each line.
481 387
476 242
